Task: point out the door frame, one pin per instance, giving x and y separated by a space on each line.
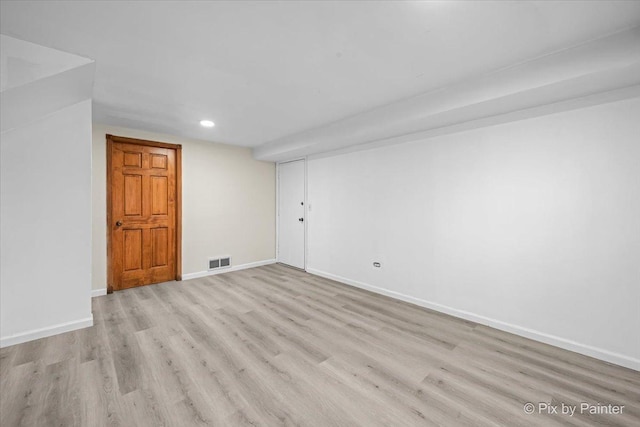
306 209
111 139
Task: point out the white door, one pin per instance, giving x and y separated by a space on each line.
291 213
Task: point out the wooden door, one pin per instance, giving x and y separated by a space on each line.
143 212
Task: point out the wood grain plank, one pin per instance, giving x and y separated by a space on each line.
277 346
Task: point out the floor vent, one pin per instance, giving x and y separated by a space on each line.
219 262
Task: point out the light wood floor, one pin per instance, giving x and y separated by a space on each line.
275 346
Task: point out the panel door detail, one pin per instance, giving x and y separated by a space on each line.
143 215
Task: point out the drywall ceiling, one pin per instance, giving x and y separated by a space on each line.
266 70
23 62
37 81
603 70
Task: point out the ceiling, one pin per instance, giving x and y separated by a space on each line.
265 70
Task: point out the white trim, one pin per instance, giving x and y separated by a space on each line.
46 332
306 216
277 210
98 292
598 353
199 274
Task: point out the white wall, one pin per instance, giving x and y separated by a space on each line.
228 203
531 226
45 221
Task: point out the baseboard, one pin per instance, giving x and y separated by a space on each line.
228 270
46 332
587 350
98 292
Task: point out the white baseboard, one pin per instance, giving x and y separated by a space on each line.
228 270
98 292
188 276
587 350
46 332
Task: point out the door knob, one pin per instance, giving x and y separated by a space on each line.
300 219
118 223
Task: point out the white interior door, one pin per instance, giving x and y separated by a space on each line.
291 213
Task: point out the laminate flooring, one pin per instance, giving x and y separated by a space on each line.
275 346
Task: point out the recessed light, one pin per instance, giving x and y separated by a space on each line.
207 123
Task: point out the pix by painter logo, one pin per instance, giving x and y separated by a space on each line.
571 410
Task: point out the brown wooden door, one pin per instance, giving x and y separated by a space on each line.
143 192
